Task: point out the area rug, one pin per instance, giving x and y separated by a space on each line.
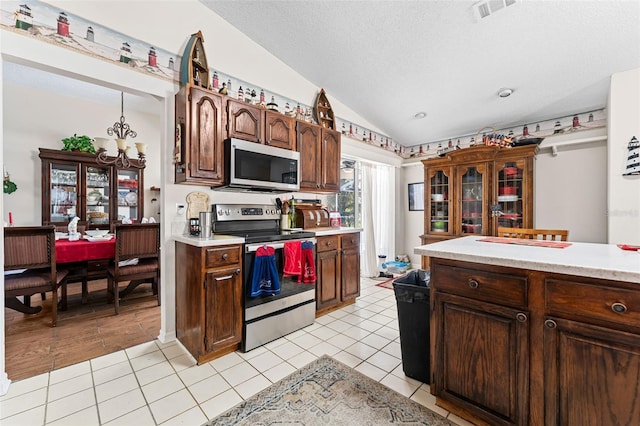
327 392
388 283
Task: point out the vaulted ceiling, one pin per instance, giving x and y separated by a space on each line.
389 60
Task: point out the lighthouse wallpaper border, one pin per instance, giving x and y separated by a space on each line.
52 25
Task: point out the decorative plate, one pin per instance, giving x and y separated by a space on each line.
131 198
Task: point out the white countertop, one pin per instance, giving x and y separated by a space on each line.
214 240
605 261
320 232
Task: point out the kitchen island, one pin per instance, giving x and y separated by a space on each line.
525 334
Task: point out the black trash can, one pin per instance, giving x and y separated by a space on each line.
412 298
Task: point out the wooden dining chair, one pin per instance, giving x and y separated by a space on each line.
78 270
33 249
534 234
137 259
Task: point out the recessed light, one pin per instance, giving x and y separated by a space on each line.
420 115
505 93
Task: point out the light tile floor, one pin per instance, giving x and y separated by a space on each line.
155 383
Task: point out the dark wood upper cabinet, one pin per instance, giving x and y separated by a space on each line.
244 121
320 158
199 137
279 130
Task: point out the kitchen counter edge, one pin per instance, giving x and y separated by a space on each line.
604 261
214 240
321 232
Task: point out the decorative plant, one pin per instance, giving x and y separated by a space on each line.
78 143
9 186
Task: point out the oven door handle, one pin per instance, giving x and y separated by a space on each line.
251 248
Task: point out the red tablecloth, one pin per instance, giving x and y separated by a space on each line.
81 250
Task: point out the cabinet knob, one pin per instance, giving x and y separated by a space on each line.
619 308
521 316
473 283
225 256
550 324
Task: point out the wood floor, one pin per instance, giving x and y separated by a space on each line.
83 332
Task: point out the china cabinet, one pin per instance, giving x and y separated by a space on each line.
475 190
74 184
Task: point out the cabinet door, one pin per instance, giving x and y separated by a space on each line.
60 188
308 136
438 214
513 193
223 308
350 269
473 189
97 187
279 130
130 194
244 121
206 150
480 360
328 284
330 161
592 375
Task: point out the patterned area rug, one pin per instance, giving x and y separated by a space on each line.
389 282
327 392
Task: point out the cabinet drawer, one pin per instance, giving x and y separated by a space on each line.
327 243
98 265
222 256
349 241
600 302
499 288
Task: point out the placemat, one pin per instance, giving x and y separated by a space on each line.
526 242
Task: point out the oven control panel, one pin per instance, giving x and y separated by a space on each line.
226 212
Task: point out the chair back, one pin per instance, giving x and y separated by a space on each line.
30 247
137 240
534 234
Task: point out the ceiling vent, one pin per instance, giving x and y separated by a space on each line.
489 7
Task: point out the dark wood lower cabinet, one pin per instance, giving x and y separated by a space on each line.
521 347
337 270
592 375
208 299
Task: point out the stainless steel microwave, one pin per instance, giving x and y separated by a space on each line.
252 166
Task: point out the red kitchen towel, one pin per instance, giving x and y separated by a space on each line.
292 258
308 275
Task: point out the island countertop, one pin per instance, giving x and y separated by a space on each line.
605 261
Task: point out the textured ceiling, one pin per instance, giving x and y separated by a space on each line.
388 60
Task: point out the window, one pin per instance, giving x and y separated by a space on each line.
347 201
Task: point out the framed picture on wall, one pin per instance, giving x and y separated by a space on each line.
416 196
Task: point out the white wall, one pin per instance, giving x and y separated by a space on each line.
623 191
412 224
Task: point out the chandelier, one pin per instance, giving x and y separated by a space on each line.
121 130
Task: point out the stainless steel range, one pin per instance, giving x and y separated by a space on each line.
267 317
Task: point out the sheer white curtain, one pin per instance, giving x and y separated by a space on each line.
378 216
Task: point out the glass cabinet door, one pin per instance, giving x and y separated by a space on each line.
510 195
439 214
471 204
129 187
97 181
63 202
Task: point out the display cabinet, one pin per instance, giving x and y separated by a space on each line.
475 190
74 184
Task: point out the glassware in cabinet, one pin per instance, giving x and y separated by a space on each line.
63 190
98 190
439 202
472 204
510 194
129 194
